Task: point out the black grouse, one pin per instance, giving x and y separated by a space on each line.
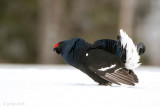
105 61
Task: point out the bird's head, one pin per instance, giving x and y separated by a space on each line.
64 47
58 47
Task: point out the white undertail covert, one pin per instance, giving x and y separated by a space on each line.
132 56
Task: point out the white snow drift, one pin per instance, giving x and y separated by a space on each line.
64 86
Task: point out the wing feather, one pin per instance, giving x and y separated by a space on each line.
120 79
98 59
110 80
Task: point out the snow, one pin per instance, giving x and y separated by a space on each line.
65 86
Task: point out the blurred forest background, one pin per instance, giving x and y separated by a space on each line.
30 28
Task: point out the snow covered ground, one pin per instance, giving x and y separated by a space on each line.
65 86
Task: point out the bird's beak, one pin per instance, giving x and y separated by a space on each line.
54 50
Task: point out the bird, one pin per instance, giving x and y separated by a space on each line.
106 61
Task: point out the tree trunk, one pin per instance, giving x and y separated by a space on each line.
51 14
149 31
127 8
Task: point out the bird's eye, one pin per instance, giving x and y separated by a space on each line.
56 45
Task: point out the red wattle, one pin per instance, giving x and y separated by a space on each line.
56 45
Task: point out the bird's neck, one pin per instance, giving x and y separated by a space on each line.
75 55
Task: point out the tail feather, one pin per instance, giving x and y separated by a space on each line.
141 48
132 55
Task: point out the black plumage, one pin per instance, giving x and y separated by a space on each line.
103 61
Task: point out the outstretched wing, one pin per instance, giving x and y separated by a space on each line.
108 66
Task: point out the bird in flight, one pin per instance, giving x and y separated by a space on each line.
106 61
